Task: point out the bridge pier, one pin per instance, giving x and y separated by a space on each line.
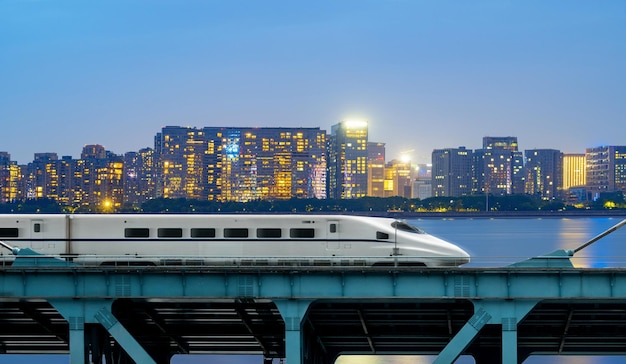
78 313
293 311
506 313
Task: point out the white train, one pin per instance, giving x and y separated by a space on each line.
194 239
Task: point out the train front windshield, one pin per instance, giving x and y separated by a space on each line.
403 226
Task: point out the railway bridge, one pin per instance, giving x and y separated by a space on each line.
310 315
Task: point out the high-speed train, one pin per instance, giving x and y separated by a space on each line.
221 239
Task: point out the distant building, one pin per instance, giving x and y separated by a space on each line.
241 164
376 169
398 179
347 160
544 173
498 166
574 177
452 172
422 189
139 176
605 170
10 177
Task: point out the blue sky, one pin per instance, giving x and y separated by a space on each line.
426 74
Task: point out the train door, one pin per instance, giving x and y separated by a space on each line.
37 235
332 235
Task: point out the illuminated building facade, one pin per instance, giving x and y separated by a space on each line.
179 155
605 170
452 171
139 176
271 163
9 179
498 167
544 173
241 164
574 178
347 160
398 179
376 169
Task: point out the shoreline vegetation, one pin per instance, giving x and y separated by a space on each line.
513 206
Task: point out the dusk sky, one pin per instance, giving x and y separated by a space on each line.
425 74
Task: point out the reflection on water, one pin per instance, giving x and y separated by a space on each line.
500 242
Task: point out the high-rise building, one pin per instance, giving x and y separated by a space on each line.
273 163
497 166
9 179
544 173
574 178
179 153
398 179
376 169
452 172
241 164
605 170
347 160
139 176
573 170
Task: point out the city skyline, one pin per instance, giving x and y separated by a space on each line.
388 146
426 75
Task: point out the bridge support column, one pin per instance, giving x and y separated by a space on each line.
79 312
507 313
293 311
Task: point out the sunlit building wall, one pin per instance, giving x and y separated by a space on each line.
347 160
452 170
605 170
544 173
376 169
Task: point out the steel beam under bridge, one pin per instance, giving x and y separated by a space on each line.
147 315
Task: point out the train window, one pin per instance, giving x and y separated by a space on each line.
235 233
269 233
170 233
37 227
301 233
136 233
382 236
202 233
401 225
333 228
9 233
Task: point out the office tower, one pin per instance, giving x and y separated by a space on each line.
42 176
99 179
241 164
10 177
574 178
375 169
498 166
272 163
452 172
422 189
544 173
347 160
398 179
179 153
139 176
605 170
